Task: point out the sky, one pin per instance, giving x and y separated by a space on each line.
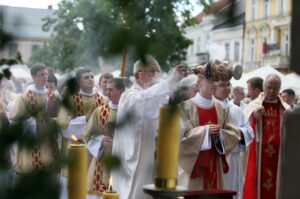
45 3
30 3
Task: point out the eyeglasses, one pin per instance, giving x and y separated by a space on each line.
152 71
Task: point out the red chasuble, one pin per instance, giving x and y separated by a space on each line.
206 165
270 150
269 155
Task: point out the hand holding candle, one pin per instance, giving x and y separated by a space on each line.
77 170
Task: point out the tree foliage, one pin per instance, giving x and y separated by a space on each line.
84 30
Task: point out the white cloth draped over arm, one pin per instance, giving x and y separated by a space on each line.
95 146
206 144
75 127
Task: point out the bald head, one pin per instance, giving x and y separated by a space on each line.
149 62
273 78
271 87
146 72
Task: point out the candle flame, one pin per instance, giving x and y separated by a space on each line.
110 184
167 97
74 138
110 180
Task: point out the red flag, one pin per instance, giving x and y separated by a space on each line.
264 47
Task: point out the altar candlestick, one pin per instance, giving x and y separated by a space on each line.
109 193
77 170
167 147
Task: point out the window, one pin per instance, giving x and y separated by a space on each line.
12 50
198 44
281 7
236 51
253 9
227 49
192 48
266 8
286 44
252 50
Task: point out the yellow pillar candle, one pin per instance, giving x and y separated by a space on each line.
110 195
167 147
77 171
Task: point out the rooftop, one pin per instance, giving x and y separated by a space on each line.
235 21
25 22
214 8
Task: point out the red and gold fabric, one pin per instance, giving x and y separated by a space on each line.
81 107
192 141
262 173
102 122
45 153
206 163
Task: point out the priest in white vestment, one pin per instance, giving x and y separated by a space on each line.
134 139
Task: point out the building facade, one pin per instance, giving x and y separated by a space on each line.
267 34
25 26
227 34
198 51
216 37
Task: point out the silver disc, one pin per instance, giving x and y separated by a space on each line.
237 72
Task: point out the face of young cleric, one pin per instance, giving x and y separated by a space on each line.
223 89
87 81
206 87
113 93
40 78
103 84
252 92
289 99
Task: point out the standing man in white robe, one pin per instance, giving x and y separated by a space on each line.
233 180
134 139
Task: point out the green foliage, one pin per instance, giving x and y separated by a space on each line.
85 30
111 162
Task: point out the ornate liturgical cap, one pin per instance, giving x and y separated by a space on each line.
218 70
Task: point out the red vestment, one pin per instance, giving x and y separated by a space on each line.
207 162
270 145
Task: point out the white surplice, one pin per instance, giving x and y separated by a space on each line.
134 139
234 179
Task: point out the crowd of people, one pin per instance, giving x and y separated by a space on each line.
229 139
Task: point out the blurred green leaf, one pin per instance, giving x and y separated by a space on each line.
111 162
